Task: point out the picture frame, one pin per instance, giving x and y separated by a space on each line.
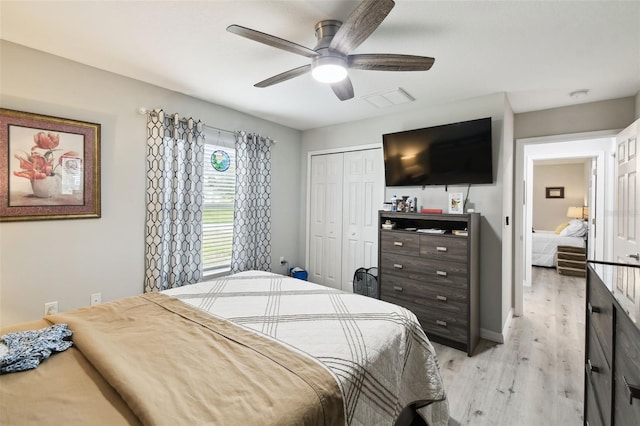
554 192
49 167
456 203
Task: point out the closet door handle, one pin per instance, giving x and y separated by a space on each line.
397 266
441 273
593 309
441 323
398 243
632 390
440 248
397 288
441 298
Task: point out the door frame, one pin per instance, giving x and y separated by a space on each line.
598 144
308 200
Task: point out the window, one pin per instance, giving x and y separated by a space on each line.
219 194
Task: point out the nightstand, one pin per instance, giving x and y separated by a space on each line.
572 261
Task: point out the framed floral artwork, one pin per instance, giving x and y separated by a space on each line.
49 167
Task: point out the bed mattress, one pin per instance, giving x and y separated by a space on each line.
545 244
377 351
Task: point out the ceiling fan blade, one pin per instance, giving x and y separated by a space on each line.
390 62
272 41
360 24
287 75
343 89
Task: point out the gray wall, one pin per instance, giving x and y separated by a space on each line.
485 199
591 117
638 105
68 260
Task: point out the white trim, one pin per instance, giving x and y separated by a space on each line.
498 337
344 149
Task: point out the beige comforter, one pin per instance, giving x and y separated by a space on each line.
156 360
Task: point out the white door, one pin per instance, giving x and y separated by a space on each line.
362 198
592 202
626 247
325 239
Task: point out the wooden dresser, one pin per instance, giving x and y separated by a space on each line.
436 276
612 346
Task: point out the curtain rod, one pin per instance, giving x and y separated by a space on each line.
145 111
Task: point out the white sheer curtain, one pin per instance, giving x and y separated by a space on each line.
175 153
252 215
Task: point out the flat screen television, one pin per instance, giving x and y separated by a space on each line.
456 153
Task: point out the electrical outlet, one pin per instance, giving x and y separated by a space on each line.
96 299
51 308
282 261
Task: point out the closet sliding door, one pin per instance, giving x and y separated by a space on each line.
325 239
363 196
346 192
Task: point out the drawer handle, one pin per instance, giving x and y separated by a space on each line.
441 323
398 243
397 266
592 368
441 273
441 298
593 309
440 248
396 288
633 391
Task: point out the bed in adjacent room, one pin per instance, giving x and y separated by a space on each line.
544 245
251 348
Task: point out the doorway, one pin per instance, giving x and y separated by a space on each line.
596 145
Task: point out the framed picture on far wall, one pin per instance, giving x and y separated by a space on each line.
49 167
555 192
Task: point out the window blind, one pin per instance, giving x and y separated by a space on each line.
219 194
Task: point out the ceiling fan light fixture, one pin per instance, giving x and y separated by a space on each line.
329 69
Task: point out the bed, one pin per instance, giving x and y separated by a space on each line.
251 348
545 244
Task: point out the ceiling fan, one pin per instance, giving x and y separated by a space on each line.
330 58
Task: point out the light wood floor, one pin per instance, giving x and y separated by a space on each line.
536 377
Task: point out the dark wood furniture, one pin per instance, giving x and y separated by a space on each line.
572 261
612 347
436 276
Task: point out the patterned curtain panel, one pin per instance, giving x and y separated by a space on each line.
175 155
252 217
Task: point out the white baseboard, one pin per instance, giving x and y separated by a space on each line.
498 337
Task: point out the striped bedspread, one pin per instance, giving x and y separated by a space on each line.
377 351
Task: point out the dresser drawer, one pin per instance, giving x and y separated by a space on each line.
403 266
592 414
426 295
598 371
600 316
427 270
627 378
436 321
400 243
453 249
441 272
443 323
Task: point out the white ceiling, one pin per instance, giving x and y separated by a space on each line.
535 51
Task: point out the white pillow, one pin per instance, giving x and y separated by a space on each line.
576 228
